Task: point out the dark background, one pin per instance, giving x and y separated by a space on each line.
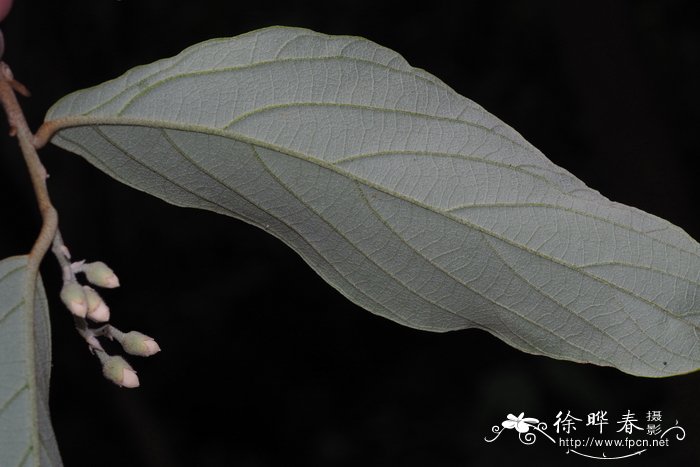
264 364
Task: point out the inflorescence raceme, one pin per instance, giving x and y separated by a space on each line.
85 303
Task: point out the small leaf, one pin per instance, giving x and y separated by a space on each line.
413 201
26 435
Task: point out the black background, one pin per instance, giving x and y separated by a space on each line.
264 364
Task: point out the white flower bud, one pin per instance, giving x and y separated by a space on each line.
117 370
73 297
100 274
98 310
139 344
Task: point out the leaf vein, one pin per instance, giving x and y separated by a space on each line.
290 153
369 258
573 313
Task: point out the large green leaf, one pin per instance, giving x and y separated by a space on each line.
411 200
26 436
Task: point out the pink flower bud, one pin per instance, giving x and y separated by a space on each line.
152 347
130 379
117 370
98 310
73 297
99 314
100 274
139 344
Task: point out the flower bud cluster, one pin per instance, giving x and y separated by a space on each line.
114 367
85 303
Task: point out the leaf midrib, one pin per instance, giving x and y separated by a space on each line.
500 305
91 122
230 213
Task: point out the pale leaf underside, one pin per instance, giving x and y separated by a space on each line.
411 200
26 435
